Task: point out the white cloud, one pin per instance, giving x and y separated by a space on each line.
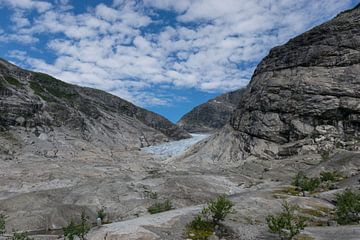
212 46
40 6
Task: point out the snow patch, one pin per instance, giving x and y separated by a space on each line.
174 148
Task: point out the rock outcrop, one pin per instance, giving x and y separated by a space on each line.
211 115
304 97
36 104
306 90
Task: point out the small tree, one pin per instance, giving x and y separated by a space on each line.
305 184
2 223
210 217
348 207
219 209
286 224
80 230
84 226
70 232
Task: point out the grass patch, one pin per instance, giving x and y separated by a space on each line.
304 237
38 90
331 176
160 207
54 86
290 190
13 81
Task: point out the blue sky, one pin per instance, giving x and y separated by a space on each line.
165 55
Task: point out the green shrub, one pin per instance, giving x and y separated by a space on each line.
219 209
2 223
101 214
204 224
305 184
80 230
70 232
160 207
286 224
333 176
199 228
348 207
21 236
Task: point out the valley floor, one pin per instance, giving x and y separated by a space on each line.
42 194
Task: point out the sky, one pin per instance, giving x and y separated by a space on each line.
164 55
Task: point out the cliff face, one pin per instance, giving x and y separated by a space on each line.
307 89
303 98
211 115
52 110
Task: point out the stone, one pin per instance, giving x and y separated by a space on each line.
211 115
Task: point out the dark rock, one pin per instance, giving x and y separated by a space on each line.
211 115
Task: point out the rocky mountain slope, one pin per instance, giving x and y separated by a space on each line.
211 115
38 106
304 97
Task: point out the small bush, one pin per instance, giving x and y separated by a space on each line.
101 214
286 224
160 207
333 176
21 236
2 223
305 184
205 224
200 229
348 207
80 230
219 209
70 232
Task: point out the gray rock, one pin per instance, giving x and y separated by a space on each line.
306 88
39 103
211 115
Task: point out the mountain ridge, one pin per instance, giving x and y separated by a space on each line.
212 115
31 100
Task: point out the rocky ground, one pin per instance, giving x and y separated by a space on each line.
41 195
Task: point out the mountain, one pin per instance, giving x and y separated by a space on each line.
39 107
304 97
211 115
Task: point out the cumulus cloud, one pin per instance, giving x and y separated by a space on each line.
129 49
40 6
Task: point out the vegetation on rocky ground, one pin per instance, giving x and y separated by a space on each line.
101 214
2 223
348 207
160 207
304 184
286 224
332 176
13 81
209 220
20 236
77 230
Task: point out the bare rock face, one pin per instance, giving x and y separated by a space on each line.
38 105
211 115
305 95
